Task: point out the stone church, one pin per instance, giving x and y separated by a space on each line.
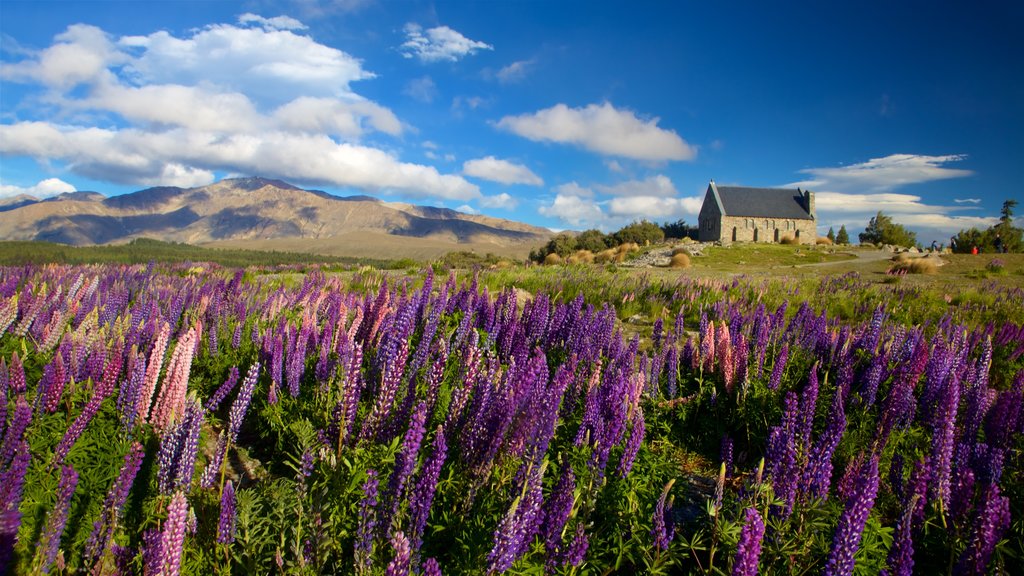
741 214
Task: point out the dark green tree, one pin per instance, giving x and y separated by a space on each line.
640 232
593 240
678 229
882 230
831 235
843 237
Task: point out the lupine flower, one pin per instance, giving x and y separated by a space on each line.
422 496
401 562
223 390
518 526
989 527
556 513
430 568
49 542
13 437
367 523
226 524
173 537
16 378
748 551
405 462
156 360
170 402
780 365
632 447
578 547
851 523
942 441
726 450
661 530
103 529
12 481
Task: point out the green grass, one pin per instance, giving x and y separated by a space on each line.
743 256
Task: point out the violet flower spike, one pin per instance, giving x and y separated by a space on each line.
226 523
49 542
748 551
851 523
174 535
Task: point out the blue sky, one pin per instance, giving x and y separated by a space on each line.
561 114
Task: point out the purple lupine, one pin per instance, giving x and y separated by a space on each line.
557 510
16 375
851 523
781 457
661 530
748 551
517 528
58 378
405 463
12 481
577 551
726 453
943 427
223 390
632 447
49 542
780 365
241 403
422 496
173 538
430 568
13 436
367 523
808 406
226 523
818 472
103 529
989 527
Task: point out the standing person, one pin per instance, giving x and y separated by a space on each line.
974 250
935 246
999 244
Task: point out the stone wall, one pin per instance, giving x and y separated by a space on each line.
739 229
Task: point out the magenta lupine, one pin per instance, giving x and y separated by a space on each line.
726 359
49 542
16 375
226 523
367 523
103 529
401 562
851 523
707 345
173 538
780 365
748 551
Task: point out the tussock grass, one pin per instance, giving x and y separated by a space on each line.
679 260
788 240
552 259
915 266
680 250
823 241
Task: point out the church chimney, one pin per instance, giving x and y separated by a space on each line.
809 202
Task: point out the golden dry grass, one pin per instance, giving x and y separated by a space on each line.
584 256
916 266
679 260
788 239
823 241
680 250
552 259
605 256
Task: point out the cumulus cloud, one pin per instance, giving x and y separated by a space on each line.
439 44
467 209
601 128
43 189
502 171
658 186
245 99
574 189
654 208
514 72
887 173
854 210
576 211
503 201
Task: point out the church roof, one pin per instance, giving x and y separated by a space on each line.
762 202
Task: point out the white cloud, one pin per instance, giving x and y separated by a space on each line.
601 128
502 201
135 156
503 171
221 99
423 89
43 189
967 200
439 44
580 212
467 209
574 189
514 72
655 186
337 117
275 23
614 166
882 174
854 210
654 208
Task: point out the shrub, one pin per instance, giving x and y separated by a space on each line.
584 256
640 233
680 250
606 255
823 241
882 230
552 259
680 260
787 239
914 266
592 240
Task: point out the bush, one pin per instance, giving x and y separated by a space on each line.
592 240
552 259
882 230
680 260
640 233
680 250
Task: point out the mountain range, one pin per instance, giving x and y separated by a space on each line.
264 214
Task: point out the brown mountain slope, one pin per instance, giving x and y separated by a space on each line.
264 214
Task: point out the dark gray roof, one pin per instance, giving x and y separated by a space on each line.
762 202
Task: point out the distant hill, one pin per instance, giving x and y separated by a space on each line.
263 214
